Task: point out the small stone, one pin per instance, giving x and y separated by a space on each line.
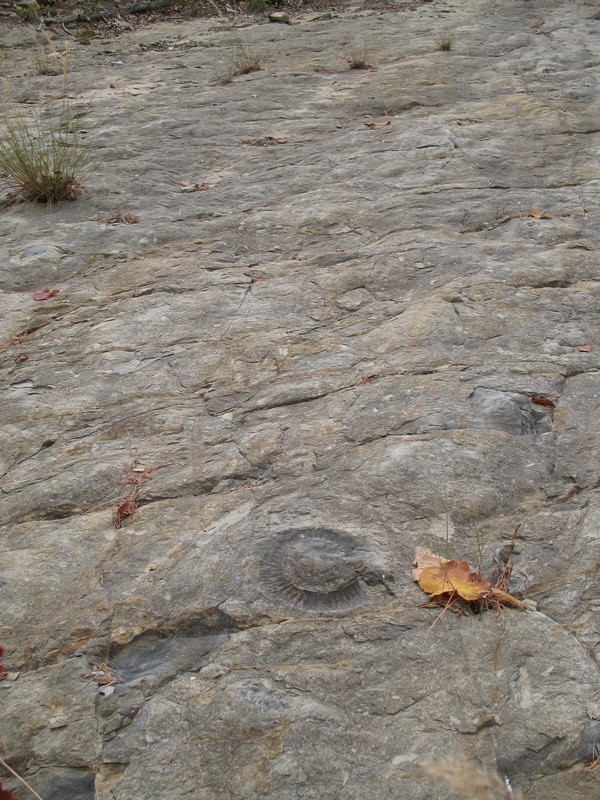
280 16
213 671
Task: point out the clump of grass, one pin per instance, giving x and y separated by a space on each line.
357 56
469 781
43 162
245 59
47 64
51 61
84 35
29 13
255 6
445 40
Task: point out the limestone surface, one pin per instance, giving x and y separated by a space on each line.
358 314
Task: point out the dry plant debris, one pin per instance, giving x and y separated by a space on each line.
130 503
535 213
594 766
104 676
45 294
119 218
189 186
447 581
20 338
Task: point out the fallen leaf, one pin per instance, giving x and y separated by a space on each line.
125 510
21 358
370 124
535 213
542 401
585 348
46 294
387 122
437 576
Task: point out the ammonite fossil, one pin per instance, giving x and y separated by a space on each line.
315 568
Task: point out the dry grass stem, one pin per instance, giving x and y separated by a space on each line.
594 766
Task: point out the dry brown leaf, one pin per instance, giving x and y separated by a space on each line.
438 576
535 213
126 509
542 401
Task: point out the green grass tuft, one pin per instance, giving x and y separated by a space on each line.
43 163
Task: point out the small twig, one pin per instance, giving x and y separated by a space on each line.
19 778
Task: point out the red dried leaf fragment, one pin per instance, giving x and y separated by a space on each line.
131 502
46 294
125 510
6 794
542 401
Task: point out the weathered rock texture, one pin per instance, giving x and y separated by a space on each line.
333 348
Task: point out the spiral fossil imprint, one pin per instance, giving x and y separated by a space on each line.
315 568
